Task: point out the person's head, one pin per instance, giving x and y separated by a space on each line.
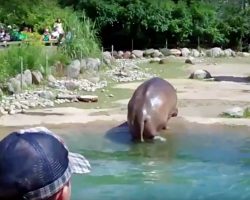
26 29
58 20
35 164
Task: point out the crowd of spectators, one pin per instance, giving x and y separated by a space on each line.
10 33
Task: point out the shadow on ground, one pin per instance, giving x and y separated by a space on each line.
119 134
232 79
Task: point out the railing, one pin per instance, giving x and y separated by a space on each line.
7 43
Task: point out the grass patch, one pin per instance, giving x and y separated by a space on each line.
172 69
104 100
246 114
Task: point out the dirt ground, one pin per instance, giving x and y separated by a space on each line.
198 101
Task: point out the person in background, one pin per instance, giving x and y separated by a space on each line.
55 34
35 164
2 33
58 25
24 34
46 35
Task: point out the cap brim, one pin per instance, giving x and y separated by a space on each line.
78 163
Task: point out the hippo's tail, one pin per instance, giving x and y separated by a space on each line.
142 123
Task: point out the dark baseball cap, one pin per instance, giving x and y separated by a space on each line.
35 164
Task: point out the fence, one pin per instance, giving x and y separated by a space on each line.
51 43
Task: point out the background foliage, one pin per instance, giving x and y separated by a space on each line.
208 23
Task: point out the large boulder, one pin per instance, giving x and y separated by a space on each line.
195 53
169 52
51 78
47 95
215 52
200 74
126 55
120 54
27 75
138 53
243 54
190 60
93 64
185 52
71 85
107 57
148 52
14 86
229 52
157 54
37 77
73 69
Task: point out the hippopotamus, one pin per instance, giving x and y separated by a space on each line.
151 106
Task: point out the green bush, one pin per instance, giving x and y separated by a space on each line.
33 56
80 40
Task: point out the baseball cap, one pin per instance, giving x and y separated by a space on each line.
35 164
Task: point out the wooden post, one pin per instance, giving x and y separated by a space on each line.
46 65
132 44
112 50
21 60
102 56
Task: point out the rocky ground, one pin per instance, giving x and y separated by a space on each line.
200 101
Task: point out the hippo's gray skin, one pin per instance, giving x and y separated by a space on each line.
151 106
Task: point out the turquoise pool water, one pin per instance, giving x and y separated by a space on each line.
196 162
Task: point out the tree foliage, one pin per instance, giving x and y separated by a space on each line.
182 22
210 22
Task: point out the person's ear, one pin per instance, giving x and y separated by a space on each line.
66 193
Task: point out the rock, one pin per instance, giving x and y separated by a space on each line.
234 112
115 54
189 60
2 111
149 52
243 54
87 98
155 60
12 112
93 64
195 53
111 95
156 54
200 74
71 85
127 55
73 70
163 61
185 52
51 78
215 52
14 86
229 52
137 53
107 58
83 65
95 79
46 95
175 52
1 93
66 96
120 54
107 55
27 75
37 77
168 52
